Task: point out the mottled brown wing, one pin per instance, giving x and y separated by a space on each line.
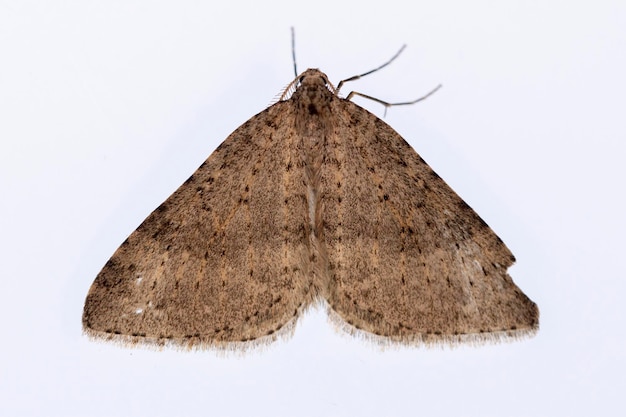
407 257
225 258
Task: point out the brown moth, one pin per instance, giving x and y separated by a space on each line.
312 200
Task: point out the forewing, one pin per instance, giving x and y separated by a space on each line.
407 257
225 258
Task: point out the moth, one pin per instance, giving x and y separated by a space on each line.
312 201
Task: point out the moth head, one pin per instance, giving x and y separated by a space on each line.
310 79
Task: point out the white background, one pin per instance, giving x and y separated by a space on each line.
106 107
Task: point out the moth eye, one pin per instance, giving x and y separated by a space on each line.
301 79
